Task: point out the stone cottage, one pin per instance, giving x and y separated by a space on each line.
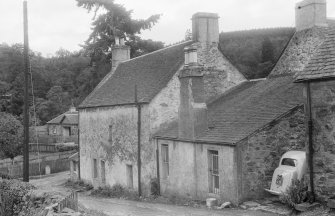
228 147
206 129
108 116
318 81
65 126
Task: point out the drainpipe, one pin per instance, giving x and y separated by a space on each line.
157 161
138 105
310 141
79 176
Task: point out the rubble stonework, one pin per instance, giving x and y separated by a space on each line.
299 51
225 74
323 112
261 152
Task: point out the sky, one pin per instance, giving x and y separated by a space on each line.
55 24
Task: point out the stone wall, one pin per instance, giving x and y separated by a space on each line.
163 109
189 171
261 152
224 77
110 135
323 112
299 51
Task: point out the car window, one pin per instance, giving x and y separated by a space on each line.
289 162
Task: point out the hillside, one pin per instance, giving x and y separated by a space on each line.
254 52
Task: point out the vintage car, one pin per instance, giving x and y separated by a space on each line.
292 166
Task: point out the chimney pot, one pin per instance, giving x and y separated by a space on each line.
186 52
117 41
122 41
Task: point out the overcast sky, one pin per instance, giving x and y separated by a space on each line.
60 23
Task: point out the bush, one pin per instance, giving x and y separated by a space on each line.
12 192
295 194
116 191
80 184
154 187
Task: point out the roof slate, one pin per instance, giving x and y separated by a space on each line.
245 109
149 72
322 65
69 118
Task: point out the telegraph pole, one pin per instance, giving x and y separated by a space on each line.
138 105
26 95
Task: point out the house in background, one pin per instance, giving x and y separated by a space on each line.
229 147
65 126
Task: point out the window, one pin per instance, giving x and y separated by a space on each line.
130 176
289 162
110 133
103 172
95 168
165 161
75 166
213 166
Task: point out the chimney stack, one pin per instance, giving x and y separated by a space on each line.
193 109
205 27
310 13
120 52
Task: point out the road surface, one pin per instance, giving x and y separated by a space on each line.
118 207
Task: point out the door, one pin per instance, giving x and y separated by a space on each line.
103 172
130 176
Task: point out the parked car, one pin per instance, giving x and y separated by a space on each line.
292 166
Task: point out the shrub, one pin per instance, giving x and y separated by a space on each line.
295 194
80 184
117 190
12 193
154 187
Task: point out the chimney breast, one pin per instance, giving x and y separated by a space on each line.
192 109
310 13
205 27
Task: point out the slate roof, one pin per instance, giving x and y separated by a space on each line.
322 64
68 118
149 72
245 109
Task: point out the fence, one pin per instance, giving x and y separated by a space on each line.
70 201
34 147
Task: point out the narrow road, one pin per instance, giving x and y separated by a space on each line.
118 207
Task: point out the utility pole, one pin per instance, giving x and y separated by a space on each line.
26 95
138 105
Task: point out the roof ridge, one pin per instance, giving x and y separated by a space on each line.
156 51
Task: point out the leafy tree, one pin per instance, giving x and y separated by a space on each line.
114 21
11 134
267 50
140 46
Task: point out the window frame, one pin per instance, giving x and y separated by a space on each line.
213 172
165 161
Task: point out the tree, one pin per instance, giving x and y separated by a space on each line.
114 21
11 135
267 50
